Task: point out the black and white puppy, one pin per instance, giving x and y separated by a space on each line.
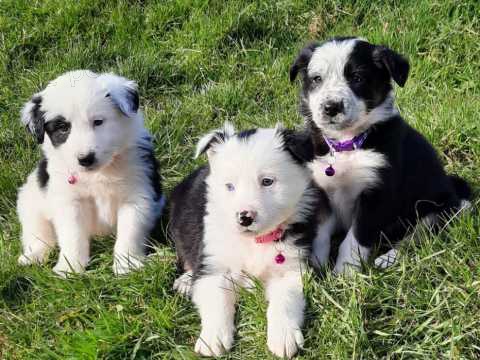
97 175
253 211
380 174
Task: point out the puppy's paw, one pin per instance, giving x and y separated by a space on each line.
29 259
183 285
386 260
284 341
123 264
65 267
346 269
215 341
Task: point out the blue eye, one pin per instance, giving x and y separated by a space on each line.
230 187
267 182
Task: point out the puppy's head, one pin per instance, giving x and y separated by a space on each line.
257 176
347 84
82 119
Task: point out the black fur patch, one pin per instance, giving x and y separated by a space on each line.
151 161
58 130
368 81
133 99
187 211
42 174
246 134
299 145
38 119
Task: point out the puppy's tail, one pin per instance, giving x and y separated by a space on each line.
462 188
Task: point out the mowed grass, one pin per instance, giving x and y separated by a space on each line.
198 64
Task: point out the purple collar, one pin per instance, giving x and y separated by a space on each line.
347 145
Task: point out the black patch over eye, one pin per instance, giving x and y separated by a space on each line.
357 78
267 182
58 130
97 122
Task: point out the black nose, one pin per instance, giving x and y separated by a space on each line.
245 218
87 160
332 108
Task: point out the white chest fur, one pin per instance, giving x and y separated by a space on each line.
355 171
239 254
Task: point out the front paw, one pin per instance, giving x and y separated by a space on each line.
284 341
214 341
123 264
66 266
30 259
345 269
183 284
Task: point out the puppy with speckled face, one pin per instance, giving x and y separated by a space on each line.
381 175
97 174
252 211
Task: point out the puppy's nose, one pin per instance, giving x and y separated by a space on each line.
87 160
332 108
246 218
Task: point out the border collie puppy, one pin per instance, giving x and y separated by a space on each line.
380 174
251 212
97 174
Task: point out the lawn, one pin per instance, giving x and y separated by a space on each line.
198 64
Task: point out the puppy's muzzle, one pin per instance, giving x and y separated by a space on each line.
246 218
87 160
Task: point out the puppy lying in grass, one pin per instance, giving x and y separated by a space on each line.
97 173
252 211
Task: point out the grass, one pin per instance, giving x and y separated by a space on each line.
198 64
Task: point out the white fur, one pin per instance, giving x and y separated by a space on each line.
231 253
355 171
114 196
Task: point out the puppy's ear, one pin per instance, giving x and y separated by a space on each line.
298 144
122 92
34 118
208 142
301 62
397 65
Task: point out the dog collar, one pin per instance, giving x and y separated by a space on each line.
347 145
340 146
274 235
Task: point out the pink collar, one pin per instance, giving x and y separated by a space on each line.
271 236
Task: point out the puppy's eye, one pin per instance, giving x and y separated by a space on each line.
317 79
230 187
97 122
267 182
62 126
357 78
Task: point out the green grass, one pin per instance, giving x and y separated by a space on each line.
198 64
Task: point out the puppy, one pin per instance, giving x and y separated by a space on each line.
97 174
251 212
380 174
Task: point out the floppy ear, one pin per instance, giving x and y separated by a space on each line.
301 62
208 142
298 144
34 118
122 92
397 65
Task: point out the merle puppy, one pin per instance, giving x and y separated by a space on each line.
253 211
380 174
